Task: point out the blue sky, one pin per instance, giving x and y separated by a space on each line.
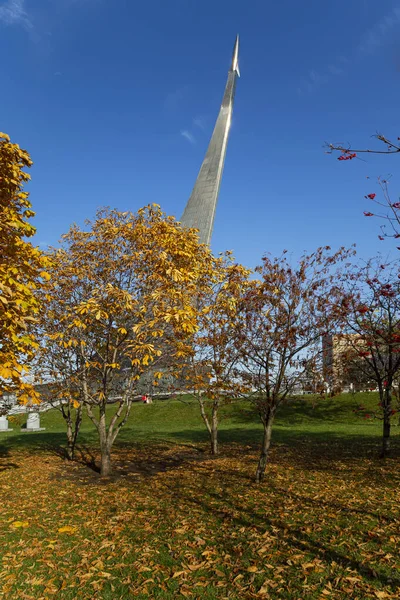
116 101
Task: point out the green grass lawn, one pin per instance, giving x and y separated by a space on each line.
175 522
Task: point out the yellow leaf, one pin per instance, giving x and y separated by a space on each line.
18 524
252 569
67 529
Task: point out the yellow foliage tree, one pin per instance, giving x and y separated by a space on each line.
21 267
121 297
211 369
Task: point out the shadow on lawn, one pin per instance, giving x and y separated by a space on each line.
4 463
227 508
145 455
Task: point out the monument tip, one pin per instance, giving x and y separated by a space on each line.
235 57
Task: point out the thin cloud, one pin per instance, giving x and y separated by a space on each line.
199 122
377 35
188 136
13 12
369 43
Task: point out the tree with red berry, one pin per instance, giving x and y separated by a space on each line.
283 317
371 326
388 210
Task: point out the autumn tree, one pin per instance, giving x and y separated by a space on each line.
22 266
371 323
210 370
121 296
284 315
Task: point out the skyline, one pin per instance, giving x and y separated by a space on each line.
116 105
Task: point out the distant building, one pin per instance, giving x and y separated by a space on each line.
342 365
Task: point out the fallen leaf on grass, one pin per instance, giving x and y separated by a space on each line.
67 529
252 569
17 524
264 588
196 567
178 574
181 530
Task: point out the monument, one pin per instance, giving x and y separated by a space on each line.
4 424
33 421
201 206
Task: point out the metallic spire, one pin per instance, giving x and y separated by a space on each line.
201 206
235 57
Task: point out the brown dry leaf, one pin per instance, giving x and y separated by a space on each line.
264 588
196 567
178 574
219 573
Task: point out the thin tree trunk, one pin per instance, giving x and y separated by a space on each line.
78 422
214 429
72 431
266 442
387 409
70 439
105 447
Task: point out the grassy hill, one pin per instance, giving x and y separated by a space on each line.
179 420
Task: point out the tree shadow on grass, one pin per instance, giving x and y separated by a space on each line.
5 464
243 516
333 452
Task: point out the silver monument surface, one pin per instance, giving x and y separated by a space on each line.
201 206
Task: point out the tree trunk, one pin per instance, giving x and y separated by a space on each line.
387 409
266 442
72 432
70 447
105 467
105 447
214 430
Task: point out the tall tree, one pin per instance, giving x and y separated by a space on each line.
22 266
210 372
371 323
284 315
120 297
